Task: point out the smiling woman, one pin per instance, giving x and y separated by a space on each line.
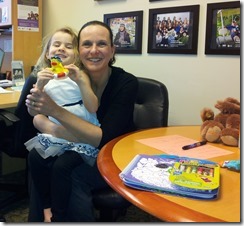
116 91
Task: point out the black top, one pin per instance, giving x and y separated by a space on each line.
115 112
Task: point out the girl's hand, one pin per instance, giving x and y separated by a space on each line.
43 77
82 79
77 75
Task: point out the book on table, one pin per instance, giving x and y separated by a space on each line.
175 175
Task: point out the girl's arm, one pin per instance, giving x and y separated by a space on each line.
90 100
43 77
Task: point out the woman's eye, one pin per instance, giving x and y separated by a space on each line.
86 44
102 44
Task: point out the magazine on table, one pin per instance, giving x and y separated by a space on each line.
175 175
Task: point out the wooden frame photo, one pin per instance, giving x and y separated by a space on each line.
223 28
127 31
173 30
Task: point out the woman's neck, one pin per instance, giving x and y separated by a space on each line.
100 81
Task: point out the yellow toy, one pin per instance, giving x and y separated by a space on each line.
57 68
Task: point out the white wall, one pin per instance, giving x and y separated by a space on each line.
193 81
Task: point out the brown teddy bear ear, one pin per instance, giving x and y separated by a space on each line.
207 114
232 100
228 106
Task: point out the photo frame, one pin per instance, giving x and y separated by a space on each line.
18 75
223 28
127 31
173 30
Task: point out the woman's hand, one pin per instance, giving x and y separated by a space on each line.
39 102
31 111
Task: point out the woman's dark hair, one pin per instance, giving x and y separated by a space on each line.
96 22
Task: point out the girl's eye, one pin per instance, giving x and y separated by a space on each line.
69 47
56 44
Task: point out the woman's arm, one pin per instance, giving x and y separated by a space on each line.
72 127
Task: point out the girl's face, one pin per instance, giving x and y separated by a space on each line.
95 48
62 45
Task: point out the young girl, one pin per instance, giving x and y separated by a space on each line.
81 101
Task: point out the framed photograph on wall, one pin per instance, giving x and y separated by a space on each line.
223 35
173 30
127 31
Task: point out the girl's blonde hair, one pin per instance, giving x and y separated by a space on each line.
43 62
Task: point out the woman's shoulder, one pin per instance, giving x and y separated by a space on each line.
121 79
120 74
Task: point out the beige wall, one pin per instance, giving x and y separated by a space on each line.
193 81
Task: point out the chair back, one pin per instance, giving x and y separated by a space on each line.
13 135
151 110
152 104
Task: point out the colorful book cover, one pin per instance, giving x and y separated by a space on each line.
170 174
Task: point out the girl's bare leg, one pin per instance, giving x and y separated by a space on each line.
47 215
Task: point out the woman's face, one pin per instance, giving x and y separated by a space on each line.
95 48
62 46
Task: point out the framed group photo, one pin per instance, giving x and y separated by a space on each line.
127 31
173 30
223 35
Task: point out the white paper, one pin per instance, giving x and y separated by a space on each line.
2 90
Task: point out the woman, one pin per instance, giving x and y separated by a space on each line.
116 91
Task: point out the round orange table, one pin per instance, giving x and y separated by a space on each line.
117 154
9 100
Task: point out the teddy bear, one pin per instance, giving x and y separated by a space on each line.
223 127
